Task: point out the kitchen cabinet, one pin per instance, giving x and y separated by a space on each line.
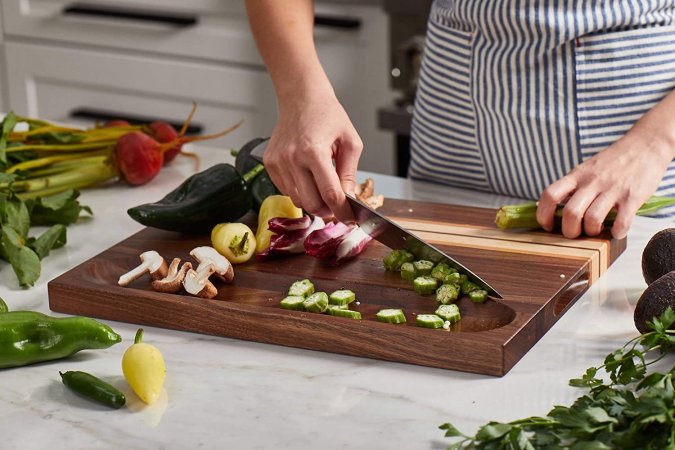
151 58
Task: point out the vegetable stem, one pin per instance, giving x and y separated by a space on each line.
251 174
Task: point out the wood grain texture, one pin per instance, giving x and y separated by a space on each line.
538 285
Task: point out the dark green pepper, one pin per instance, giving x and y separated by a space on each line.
28 337
262 186
93 388
218 194
3 306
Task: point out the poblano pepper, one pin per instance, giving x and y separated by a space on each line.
218 194
28 337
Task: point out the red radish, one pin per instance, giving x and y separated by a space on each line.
163 132
140 157
116 123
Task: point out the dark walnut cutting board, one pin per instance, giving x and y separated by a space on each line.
539 274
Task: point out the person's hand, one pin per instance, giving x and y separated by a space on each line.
623 176
312 131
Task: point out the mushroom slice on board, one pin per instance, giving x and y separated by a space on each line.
209 255
151 262
173 281
197 282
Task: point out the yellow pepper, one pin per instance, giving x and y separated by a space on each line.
273 206
235 241
144 369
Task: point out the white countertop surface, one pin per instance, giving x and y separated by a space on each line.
223 393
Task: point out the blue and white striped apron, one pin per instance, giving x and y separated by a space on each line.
514 93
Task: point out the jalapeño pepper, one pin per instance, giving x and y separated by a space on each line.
28 337
218 194
3 306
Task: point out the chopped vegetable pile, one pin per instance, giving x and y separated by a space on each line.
302 296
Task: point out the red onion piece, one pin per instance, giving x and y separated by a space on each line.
324 242
291 242
281 225
352 245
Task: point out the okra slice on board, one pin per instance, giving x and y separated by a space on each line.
341 297
425 285
408 271
348 313
302 288
447 293
390 316
292 302
429 321
449 313
316 303
423 267
478 296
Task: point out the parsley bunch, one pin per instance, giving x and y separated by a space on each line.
631 409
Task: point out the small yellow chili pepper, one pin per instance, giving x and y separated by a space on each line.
144 369
235 241
273 206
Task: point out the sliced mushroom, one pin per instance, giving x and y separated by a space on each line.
197 282
151 262
365 189
209 255
375 201
173 282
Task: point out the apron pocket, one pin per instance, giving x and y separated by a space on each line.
619 77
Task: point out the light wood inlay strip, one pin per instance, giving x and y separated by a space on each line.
601 246
528 248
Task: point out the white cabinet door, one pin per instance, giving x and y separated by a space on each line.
52 83
219 31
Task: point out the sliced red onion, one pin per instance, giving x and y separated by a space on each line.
352 245
324 242
281 225
292 242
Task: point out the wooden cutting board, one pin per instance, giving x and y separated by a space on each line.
539 274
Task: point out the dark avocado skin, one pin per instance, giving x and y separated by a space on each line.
658 257
658 296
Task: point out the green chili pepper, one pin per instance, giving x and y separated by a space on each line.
28 337
93 388
218 194
3 306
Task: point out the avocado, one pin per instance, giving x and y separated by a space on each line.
655 300
658 257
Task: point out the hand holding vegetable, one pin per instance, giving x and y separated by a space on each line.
622 176
144 369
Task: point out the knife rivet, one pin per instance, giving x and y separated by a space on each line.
562 275
410 210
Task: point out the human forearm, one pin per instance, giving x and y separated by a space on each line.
283 32
656 129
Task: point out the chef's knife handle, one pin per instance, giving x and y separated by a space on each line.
131 13
342 23
100 115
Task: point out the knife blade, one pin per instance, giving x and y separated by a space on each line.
393 236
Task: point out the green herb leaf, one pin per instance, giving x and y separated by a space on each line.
493 430
62 208
24 261
58 137
14 215
53 238
450 430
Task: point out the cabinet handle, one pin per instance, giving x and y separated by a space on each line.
343 23
144 15
101 115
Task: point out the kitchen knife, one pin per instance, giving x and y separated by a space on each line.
393 236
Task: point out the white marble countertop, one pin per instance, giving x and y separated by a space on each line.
223 393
